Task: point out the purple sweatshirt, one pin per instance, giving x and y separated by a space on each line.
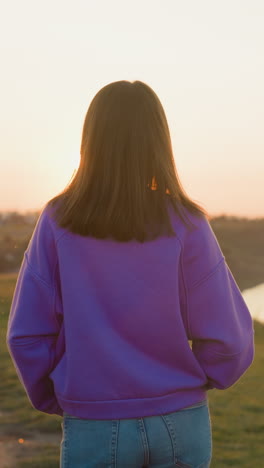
101 329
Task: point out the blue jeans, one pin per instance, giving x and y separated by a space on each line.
179 439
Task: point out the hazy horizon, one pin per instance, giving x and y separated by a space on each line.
26 211
204 60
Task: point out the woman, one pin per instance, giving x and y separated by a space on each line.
122 271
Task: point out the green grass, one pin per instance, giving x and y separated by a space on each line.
236 413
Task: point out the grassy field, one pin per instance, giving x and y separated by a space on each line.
31 439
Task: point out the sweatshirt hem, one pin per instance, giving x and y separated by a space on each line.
132 408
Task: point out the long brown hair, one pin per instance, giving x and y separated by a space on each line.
126 173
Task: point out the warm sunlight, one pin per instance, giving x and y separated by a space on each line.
132 334
205 64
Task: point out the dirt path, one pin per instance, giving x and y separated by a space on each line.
8 449
11 450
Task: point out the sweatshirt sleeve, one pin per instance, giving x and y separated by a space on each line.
32 325
219 322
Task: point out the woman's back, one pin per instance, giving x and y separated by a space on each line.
102 315
116 320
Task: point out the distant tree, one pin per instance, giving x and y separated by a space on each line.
16 218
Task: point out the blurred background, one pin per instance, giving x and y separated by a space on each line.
205 61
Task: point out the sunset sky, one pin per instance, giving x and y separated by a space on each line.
204 59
